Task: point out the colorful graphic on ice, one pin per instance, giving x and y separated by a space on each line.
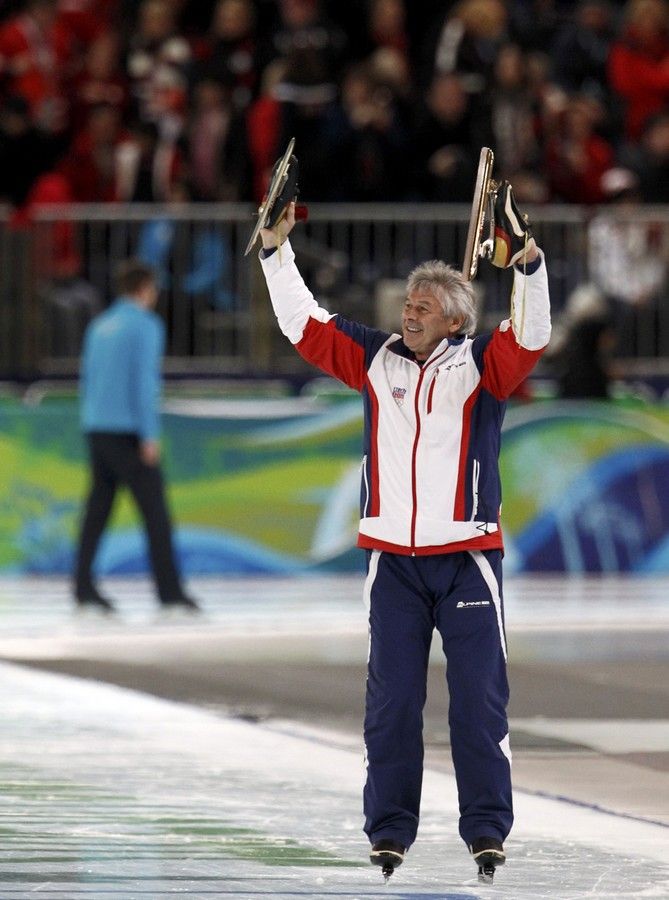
272 486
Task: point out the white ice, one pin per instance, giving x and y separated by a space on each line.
108 793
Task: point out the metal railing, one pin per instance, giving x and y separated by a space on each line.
57 274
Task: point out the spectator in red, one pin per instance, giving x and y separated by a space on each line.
639 63
86 19
36 50
232 57
100 81
60 257
576 156
91 165
263 128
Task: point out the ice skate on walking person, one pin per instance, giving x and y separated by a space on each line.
434 399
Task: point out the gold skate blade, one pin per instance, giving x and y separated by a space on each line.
278 181
477 216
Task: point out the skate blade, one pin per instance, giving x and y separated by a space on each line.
486 874
90 612
388 861
487 861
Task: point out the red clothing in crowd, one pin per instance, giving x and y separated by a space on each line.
87 92
87 19
263 123
59 256
33 63
575 172
91 169
639 72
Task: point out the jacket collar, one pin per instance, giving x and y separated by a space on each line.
401 349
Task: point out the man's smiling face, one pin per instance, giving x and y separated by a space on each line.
424 325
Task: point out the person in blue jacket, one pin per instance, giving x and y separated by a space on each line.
120 385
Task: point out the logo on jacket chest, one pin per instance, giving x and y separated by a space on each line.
399 394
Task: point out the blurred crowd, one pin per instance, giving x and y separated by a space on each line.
389 100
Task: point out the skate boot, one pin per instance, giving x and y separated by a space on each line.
388 854
92 599
513 235
488 853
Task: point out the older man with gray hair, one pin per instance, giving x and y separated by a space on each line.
434 400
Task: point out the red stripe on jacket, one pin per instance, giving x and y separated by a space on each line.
506 364
333 351
492 541
459 508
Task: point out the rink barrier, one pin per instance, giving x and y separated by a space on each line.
58 272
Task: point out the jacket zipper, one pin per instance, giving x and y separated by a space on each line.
414 491
430 392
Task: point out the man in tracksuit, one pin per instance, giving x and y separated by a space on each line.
120 416
434 399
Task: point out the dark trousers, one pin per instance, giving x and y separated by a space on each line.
459 594
115 460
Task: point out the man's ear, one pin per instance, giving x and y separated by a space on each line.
455 326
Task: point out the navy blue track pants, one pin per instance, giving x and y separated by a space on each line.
459 594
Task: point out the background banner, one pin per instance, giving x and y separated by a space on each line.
271 485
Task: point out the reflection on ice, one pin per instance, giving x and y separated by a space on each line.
109 793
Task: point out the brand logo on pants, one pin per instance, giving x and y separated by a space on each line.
463 604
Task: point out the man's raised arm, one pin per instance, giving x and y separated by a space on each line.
336 346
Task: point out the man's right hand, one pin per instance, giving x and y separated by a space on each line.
149 452
274 237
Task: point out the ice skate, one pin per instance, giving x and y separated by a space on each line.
513 235
487 853
388 854
91 600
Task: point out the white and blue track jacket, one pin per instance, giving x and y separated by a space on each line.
430 475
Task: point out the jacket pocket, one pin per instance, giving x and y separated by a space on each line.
476 471
364 488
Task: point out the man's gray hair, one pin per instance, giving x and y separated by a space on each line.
449 287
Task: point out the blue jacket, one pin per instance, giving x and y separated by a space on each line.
120 371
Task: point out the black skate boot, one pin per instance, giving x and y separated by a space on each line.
388 854
513 235
91 599
488 853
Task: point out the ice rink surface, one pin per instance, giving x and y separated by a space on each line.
111 793
108 792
